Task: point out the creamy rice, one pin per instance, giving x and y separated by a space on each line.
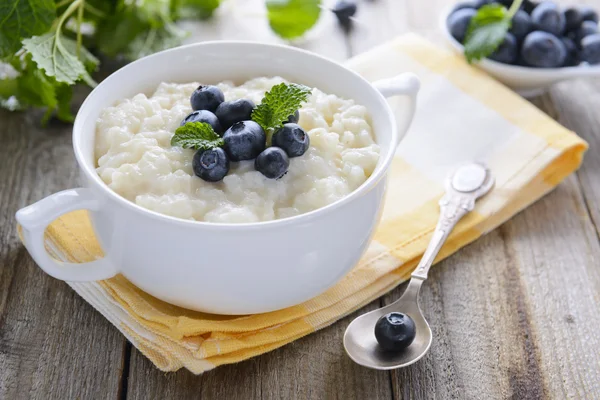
136 160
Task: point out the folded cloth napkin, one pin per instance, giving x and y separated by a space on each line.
462 115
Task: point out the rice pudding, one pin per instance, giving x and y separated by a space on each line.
135 157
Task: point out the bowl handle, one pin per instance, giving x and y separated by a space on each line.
406 84
35 218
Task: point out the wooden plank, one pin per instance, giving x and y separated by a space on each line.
314 367
515 314
52 343
577 105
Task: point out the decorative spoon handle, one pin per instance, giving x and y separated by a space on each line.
466 185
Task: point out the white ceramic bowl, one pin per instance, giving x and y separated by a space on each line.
526 81
224 268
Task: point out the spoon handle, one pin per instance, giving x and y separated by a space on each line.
466 185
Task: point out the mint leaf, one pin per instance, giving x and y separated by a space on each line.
292 18
51 54
486 31
196 135
278 104
154 40
23 18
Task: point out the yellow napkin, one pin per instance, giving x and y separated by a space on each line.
462 115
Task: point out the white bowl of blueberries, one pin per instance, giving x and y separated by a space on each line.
544 44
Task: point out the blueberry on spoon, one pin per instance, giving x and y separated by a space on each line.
344 10
395 331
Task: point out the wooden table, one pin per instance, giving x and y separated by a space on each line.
514 315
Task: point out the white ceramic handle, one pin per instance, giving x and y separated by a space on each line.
406 84
35 218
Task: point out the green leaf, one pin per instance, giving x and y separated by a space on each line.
89 60
52 55
278 104
292 18
154 40
23 18
155 12
196 135
196 8
115 34
64 94
486 31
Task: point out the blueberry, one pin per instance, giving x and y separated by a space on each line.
463 5
458 23
543 50
573 19
230 112
481 3
529 6
587 28
505 3
588 14
204 116
521 25
395 331
344 10
294 118
508 51
590 49
244 140
572 52
206 98
547 17
272 163
211 165
292 139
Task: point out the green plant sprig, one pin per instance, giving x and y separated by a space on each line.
487 29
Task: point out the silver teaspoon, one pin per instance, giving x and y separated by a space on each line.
463 187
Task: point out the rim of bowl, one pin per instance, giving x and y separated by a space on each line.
486 62
379 172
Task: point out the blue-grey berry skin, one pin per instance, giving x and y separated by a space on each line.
507 52
462 5
294 118
543 50
588 14
590 49
272 163
481 3
547 17
521 25
211 165
230 112
204 116
458 22
206 97
244 140
395 331
505 3
529 6
292 139
587 28
572 52
573 19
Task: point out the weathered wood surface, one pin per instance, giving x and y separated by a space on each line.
515 314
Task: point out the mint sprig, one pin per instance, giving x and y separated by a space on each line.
278 104
487 29
290 19
196 135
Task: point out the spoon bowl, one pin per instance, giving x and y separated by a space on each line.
361 344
